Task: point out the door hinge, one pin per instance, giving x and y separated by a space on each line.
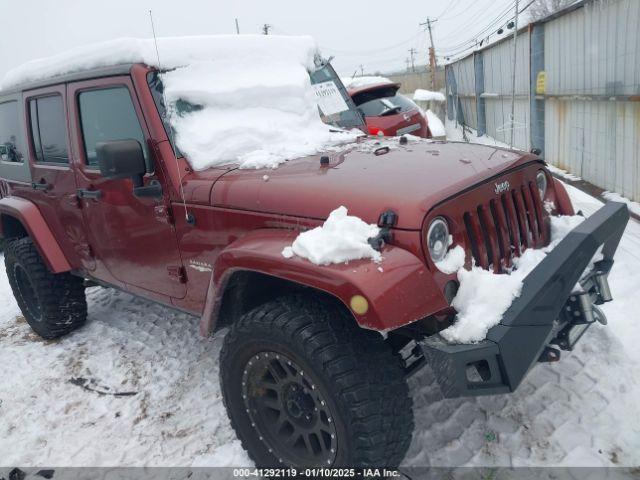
177 273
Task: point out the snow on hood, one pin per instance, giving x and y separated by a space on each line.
258 106
359 82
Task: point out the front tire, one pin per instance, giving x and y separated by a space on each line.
305 386
52 304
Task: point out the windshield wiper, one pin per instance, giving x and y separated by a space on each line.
391 111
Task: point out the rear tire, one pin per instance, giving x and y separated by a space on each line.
52 304
300 368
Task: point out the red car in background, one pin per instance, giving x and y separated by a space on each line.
387 112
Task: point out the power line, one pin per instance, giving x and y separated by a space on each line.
447 8
460 49
375 50
495 21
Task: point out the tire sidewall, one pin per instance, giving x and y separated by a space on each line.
11 262
234 359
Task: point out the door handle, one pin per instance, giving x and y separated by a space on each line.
95 194
41 186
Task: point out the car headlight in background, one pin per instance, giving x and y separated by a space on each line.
438 239
541 181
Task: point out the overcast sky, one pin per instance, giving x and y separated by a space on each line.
373 33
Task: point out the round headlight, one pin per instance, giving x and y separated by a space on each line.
438 239
541 181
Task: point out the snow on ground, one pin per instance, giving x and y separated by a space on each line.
365 81
339 239
256 105
454 134
435 124
422 95
579 411
634 207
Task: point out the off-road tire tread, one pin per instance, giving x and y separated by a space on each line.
366 375
62 295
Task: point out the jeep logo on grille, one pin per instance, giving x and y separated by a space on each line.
502 187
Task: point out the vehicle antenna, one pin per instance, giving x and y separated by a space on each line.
188 218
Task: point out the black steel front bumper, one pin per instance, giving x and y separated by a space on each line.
549 313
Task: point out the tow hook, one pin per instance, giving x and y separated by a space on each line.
549 355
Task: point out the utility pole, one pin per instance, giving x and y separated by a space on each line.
237 27
361 70
265 28
407 61
513 77
433 64
412 52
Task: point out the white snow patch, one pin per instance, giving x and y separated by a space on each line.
258 108
435 124
634 207
453 260
483 296
340 239
358 82
563 173
422 95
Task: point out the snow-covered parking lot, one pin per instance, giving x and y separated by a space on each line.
138 386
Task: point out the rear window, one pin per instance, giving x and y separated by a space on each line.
383 101
48 129
11 145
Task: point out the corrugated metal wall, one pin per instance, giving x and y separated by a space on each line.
465 77
592 60
591 101
498 72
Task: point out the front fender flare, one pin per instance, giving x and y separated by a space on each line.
27 213
399 291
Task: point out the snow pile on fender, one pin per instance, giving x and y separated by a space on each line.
483 296
340 239
256 105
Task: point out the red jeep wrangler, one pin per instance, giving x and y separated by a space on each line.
315 361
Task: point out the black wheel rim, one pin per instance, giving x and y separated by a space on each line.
27 292
289 411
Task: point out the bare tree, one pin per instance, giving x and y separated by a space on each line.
542 8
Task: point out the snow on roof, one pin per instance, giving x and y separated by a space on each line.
422 95
174 52
258 106
359 82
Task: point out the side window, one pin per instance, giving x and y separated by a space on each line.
11 143
105 115
48 129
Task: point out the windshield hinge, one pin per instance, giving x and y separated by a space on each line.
177 273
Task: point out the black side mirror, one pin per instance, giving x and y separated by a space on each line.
122 159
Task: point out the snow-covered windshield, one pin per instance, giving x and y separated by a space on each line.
233 99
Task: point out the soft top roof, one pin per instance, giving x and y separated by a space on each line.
123 69
173 51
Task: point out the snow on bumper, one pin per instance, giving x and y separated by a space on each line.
548 312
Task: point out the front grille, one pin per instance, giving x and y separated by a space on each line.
506 226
